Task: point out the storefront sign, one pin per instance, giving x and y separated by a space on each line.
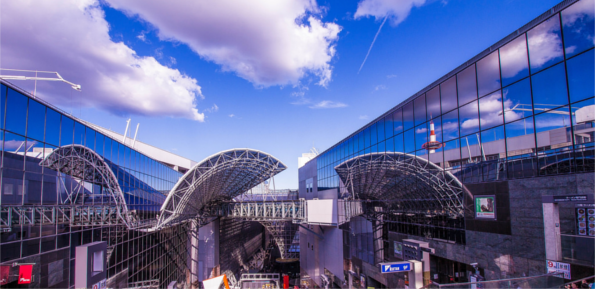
99 285
398 249
395 267
485 207
564 268
25 274
4 272
570 198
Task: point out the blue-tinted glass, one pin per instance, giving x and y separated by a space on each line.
581 78
36 122
492 135
579 26
2 104
399 143
419 107
433 102
390 145
545 44
582 120
33 156
450 125
14 150
488 74
52 127
517 101
367 137
470 147
549 88
448 94
490 110
408 116
466 85
380 129
374 149
409 141
421 136
452 153
356 140
398 121
16 112
66 131
437 123
79 133
556 125
99 144
108 149
388 126
513 60
468 118
122 158
90 138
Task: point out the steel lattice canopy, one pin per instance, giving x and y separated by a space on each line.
83 163
403 183
219 177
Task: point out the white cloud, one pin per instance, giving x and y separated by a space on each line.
300 98
265 42
391 76
395 11
545 43
141 36
71 37
328 105
212 109
379 87
364 117
172 60
231 115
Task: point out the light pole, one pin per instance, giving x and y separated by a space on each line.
58 78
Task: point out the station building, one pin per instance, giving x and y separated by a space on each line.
491 166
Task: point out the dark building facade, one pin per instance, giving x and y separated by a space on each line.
514 125
40 204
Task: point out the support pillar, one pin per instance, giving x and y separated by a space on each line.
551 225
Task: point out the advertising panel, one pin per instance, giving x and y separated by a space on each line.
25 274
485 207
398 249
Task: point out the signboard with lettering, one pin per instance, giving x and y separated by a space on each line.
25 274
485 207
570 198
564 268
395 267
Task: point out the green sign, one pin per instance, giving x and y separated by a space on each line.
485 207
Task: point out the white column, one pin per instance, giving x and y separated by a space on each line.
551 227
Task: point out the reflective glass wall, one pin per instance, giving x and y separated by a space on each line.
30 131
525 109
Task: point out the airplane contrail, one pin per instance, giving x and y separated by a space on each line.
369 49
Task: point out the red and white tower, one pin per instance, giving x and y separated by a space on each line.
432 145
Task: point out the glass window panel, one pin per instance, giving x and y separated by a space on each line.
578 24
388 126
520 138
581 78
545 44
90 138
79 133
448 94
12 186
99 139
553 130
492 135
420 109
398 121
367 137
14 151
32 188
466 85
50 190
452 154
16 112
582 123
66 132
433 102
437 123
513 60
390 145
3 89
408 116
52 124
34 155
470 147
421 136
490 110
549 88
382 146
488 74
36 122
450 125
409 141
380 129
468 118
399 143
517 101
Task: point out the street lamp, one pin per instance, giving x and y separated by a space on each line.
36 78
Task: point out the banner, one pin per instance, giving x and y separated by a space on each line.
25 274
485 207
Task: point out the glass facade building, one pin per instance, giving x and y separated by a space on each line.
32 130
522 108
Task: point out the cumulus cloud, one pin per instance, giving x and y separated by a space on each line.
363 117
395 11
212 109
265 42
545 43
300 98
71 37
328 105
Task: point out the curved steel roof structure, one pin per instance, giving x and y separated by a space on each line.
83 163
219 177
403 183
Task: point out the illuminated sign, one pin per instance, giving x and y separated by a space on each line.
25 274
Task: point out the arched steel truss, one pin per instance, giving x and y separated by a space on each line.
284 234
219 177
83 163
403 183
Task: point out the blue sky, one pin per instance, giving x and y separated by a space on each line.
279 77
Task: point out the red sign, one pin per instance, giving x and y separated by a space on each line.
25 274
285 282
4 271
